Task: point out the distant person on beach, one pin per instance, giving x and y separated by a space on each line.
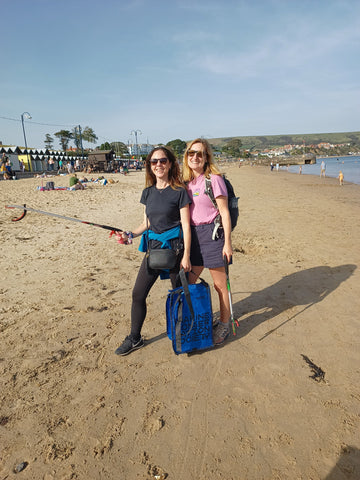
4 159
210 242
322 169
51 163
166 222
3 165
300 169
8 173
75 183
341 178
73 180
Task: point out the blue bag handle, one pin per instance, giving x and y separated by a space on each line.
185 286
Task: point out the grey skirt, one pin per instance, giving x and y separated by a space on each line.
206 252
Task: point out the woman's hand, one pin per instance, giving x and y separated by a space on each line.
227 252
185 263
125 237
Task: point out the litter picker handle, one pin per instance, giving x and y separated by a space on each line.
226 264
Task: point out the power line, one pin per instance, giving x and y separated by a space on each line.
13 119
52 125
38 123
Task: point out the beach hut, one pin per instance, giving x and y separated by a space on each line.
25 156
101 160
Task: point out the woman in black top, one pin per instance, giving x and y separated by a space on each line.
166 214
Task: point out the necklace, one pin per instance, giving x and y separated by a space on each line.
161 190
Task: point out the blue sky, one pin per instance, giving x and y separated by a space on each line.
178 68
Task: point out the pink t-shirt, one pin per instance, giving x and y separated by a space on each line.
201 209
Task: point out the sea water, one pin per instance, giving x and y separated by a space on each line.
350 167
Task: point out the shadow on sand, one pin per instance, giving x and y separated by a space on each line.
348 465
304 288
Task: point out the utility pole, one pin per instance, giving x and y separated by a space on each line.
28 116
81 144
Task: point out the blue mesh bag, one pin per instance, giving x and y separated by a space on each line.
189 316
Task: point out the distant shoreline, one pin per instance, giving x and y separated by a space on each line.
336 156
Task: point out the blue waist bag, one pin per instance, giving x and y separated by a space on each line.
189 316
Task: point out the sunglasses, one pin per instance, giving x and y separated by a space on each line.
154 161
200 153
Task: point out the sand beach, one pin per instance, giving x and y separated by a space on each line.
252 409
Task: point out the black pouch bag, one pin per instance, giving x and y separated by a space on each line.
163 258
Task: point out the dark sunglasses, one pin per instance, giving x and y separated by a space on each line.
154 161
200 153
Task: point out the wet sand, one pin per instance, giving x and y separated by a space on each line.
248 410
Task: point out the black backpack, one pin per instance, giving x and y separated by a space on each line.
232 199
50 186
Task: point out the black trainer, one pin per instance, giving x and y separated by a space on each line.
129 345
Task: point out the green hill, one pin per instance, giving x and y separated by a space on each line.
273 141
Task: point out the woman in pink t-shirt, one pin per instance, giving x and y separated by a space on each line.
207 251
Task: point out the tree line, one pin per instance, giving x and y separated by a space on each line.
77 135
233 148
65 136
230 146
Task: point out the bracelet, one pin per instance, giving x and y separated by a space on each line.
130 236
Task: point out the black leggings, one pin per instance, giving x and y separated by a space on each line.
144 282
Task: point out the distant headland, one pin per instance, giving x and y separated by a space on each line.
274 141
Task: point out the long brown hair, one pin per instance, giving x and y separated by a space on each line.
174 172
209 166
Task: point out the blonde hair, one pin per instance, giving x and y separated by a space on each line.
209 167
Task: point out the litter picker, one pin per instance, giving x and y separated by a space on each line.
29 209
233 321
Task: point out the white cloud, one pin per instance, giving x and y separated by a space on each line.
299 51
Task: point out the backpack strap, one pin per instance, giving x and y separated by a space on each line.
209 192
